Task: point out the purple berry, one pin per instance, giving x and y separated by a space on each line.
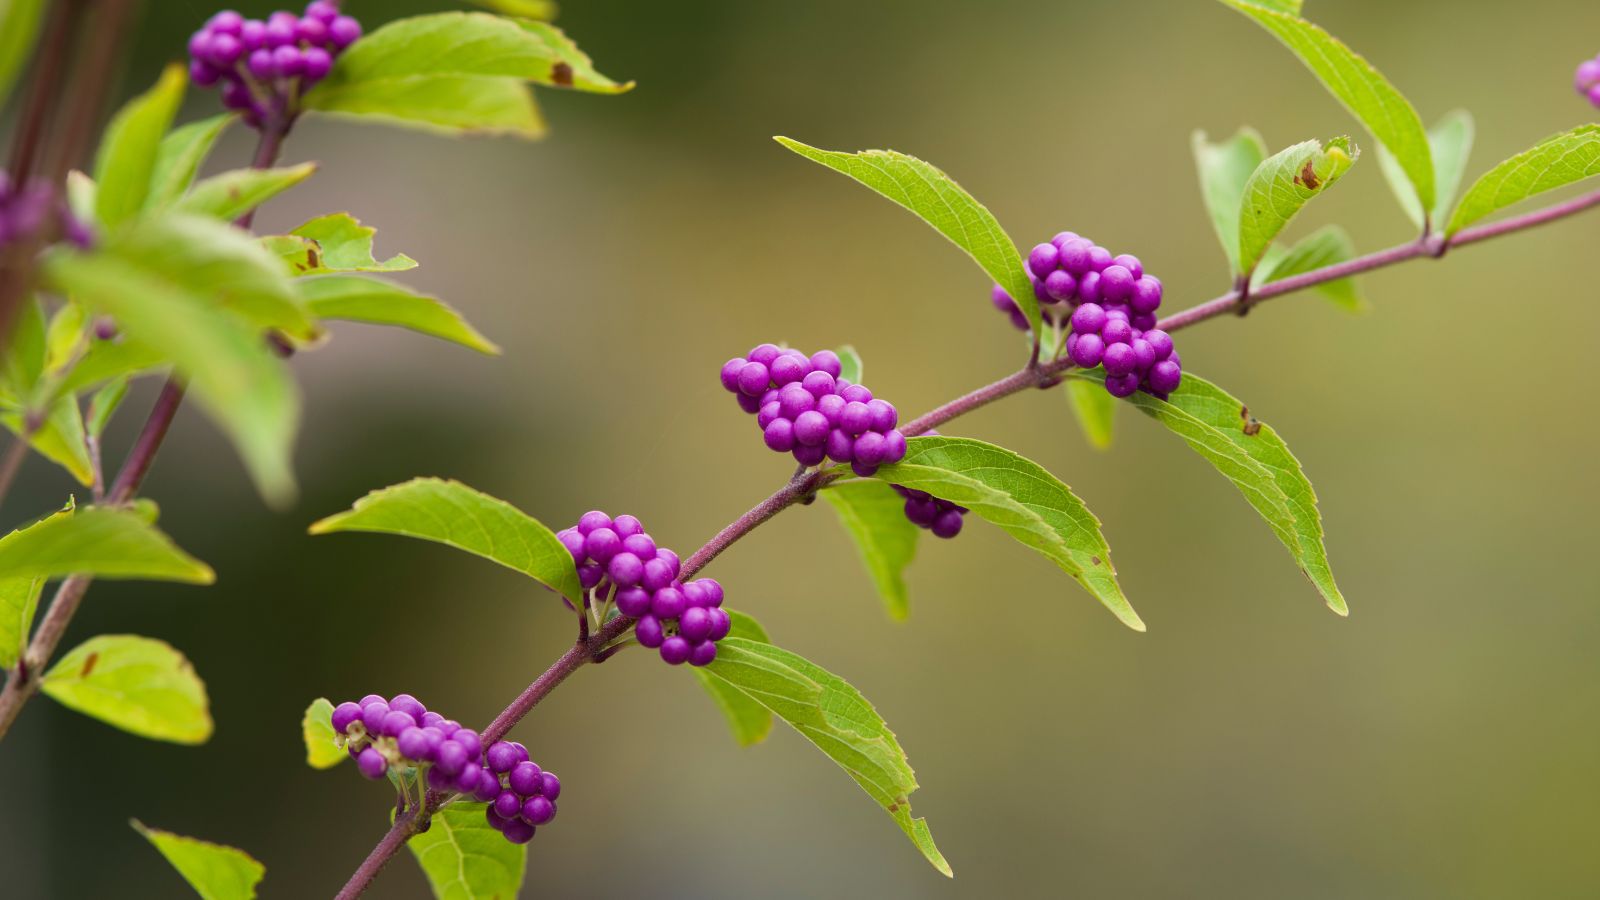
590 574
253 34
261 64
592 520
840 446
395 722
1131 263
649 632
811 428
922 511
855 418
1116 331
1144 321
832 407
1122 385
948 524
1165 376
869 449
770 413
311 31
281 28
538 810
343 715
468 779
549 786
779 435
675 650
371 763
1146 294
318 63
450 758
501 756
703 653
1088 318
818 384
827 361
203 73
855 393
788 370
508 805
730 373
601 544
1042 259
288 61
1587 76
488 786
1075 256
793 400
1119 359
1088 350
469 740
721 622
882 415
518 831
439 781
894 447
863 470
634 601
810 455
226 22
625 569
225 51
322 10
524 778
409 705
695 624
1089 287
372 716
753 379
765 354
668 603
713 589
1116 284
1160 342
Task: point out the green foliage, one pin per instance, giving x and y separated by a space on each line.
850 365
834 716
874 517
1283 184
103 405
179 157
19 599
59 437
1022 498
748 721
215 871
526 9
1224 170
19 27
1251 455
1361 88
230 370
450 513
107 542
1554 162
456 72
465 859
936 199
359 298
317 728
1450 140
1327 246
132 142
1096 412
338 243
138 684
232 194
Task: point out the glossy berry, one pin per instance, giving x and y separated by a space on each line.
924 510
1587 80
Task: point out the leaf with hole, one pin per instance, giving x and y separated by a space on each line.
1022 498
450 513
1281 186
834 716
138 684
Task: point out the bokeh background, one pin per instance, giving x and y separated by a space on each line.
1441 742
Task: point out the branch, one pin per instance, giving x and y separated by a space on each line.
804 484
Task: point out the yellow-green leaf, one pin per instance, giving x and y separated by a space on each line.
1283 184
107 542
132 141
317 727
138 684
215 871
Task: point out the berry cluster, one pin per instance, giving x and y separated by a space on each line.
399 734
1111 304
1587 80
618 562
525 795
264 66
804 408
924 510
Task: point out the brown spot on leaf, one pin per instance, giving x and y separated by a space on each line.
1094 560
1308 177
88 665
893 807
1252 425
561 74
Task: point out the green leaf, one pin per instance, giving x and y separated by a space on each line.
850 365
19 599
104 404
450 513
59 437
132 141
179 157
1251 455
218 262
361 298
456 71
108 360
527 9
936 199
342 244
1283 184
138 684
1224 170
1362 89
1327 246
64 337
1450 141
874 516
215 871
230 370
317 727
1552 163
232 194
749 721
1022 498
834 716
465 859
106 542
19 28
1095 410
23 361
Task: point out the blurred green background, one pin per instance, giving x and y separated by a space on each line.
1441 742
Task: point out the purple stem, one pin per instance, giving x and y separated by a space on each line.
806 483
